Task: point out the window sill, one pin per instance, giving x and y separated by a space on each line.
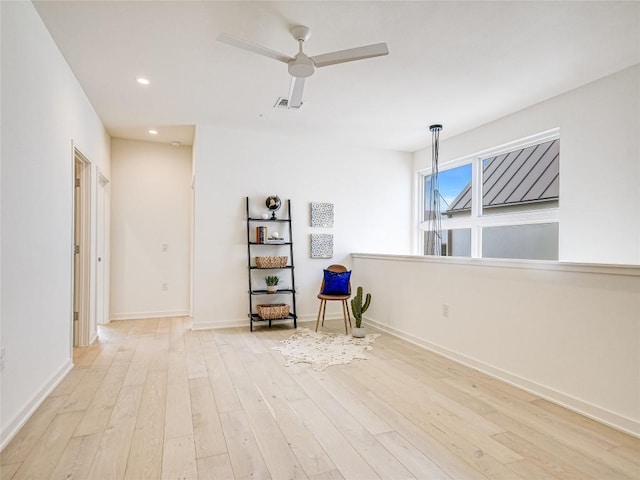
608 269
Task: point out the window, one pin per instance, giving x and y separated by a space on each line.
455 242
499 204
452 184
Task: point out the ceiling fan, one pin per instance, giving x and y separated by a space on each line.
300 65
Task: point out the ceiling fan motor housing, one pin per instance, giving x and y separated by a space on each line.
301 66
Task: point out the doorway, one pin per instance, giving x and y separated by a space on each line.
81 249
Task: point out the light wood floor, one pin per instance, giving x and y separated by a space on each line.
152 399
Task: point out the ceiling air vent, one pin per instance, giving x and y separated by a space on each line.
283 103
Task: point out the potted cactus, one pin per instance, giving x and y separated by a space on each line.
272 282
358 308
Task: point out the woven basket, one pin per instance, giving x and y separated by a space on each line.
273 311
271 262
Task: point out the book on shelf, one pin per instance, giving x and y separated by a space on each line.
276 241
261 235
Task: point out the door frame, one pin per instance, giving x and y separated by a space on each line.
81 235
102 254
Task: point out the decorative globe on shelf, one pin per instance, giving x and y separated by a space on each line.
273 203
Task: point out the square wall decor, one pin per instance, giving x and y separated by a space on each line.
322 214
321 245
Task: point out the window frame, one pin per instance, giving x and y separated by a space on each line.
478 220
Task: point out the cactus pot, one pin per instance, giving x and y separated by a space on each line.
272 289
358 332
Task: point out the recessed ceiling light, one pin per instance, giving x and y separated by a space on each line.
143 80
175 143
153 132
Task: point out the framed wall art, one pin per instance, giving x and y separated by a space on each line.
321 245
322 214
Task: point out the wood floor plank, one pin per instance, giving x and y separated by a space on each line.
96 416
207 429
113 451
579 465
467 441
554 428
244 453
77 457
342 453
179 459
69 383
414 461
196 366
370 449
150 326
176 343
22 444
86 356
630 454
154 399
225 395
439 404
215 467
178 421
587 426
373 423
47 452
332 475
145 454
308 451
276 451
538 456
446 460
81 397
9 470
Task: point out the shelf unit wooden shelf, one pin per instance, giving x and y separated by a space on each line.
267 248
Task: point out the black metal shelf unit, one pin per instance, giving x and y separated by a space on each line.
268 248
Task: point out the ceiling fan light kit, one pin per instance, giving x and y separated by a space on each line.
301 66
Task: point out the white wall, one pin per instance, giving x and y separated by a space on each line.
370 190
599 163
150 206
43 110
567 332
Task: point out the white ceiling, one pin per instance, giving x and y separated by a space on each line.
461 64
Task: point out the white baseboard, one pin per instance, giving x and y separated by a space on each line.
18 421
599 414
307 318
140 315
223 324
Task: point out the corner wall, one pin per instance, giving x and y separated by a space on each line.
43 110
151 210
369 189
599 163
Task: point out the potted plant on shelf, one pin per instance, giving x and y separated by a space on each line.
272 282
358 308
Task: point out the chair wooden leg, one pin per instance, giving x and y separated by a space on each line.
348 316
345 311
324 310
320 311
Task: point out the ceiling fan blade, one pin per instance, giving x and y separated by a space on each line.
295 92
252 47
351 54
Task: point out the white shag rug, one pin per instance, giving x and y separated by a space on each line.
322 350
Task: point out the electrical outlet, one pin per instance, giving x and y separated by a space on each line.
165 247
164 286
445 310
2 358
